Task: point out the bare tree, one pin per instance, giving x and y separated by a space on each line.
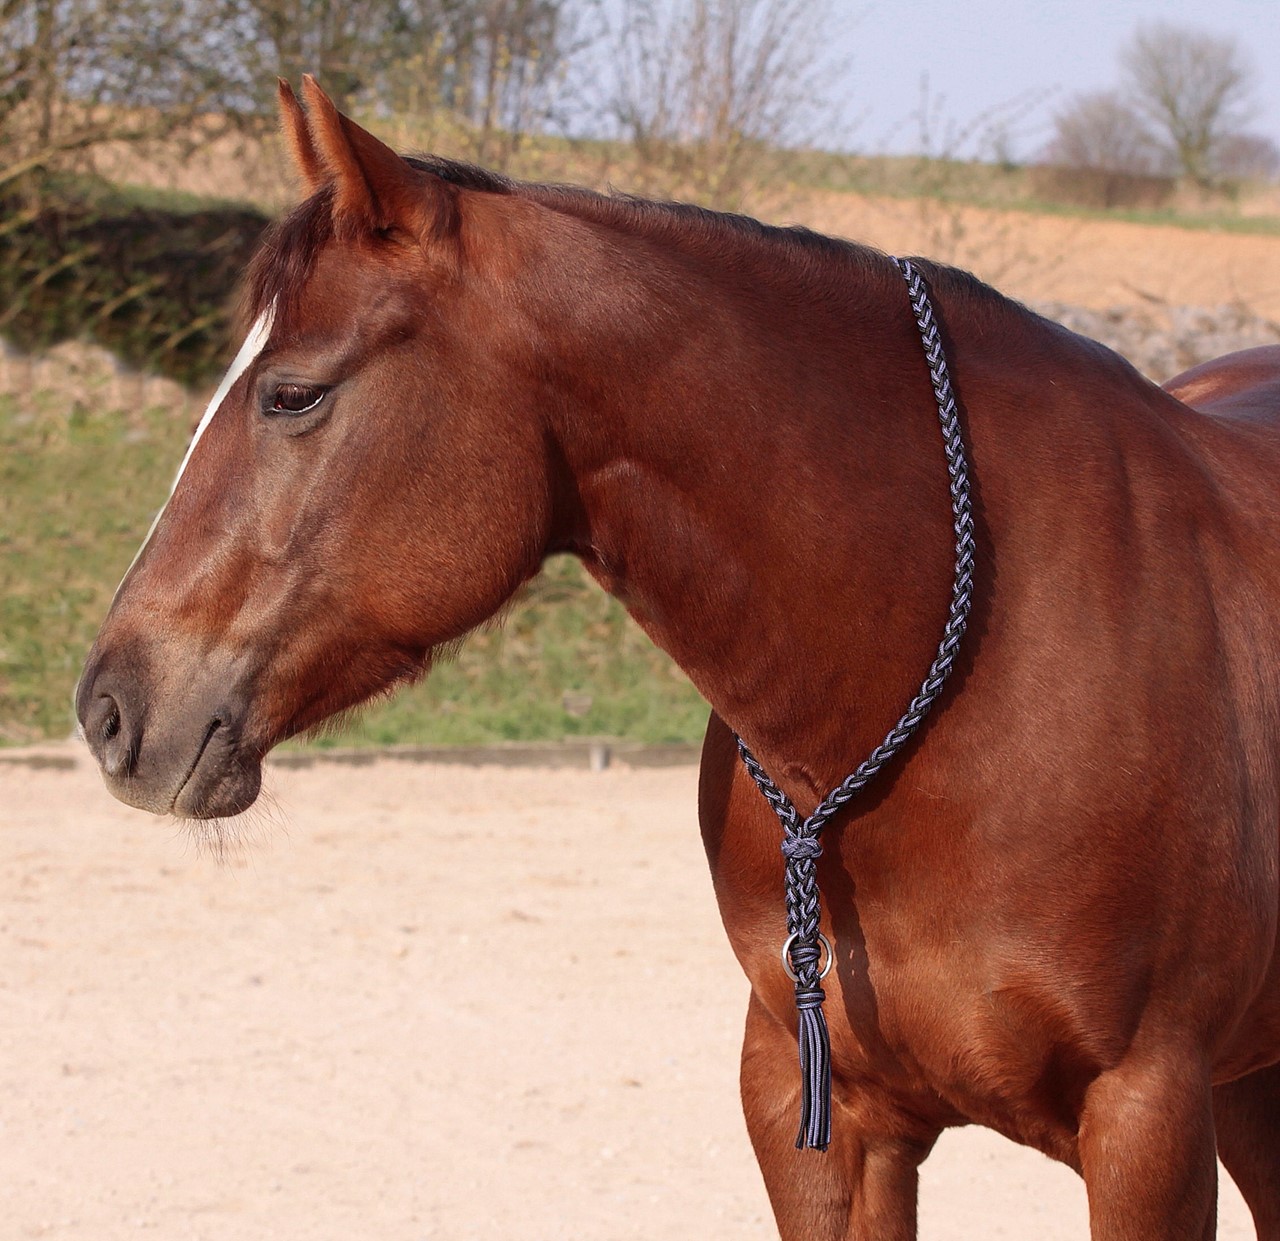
343 44
1247 157
79 74
1193 89
501 53
481 75
1101 130
708 92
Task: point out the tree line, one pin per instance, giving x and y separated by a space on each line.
728 78
705 93
78 74
1182 107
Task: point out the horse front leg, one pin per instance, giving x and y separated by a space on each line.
1147 1152
864 1187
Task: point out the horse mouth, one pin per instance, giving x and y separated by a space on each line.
223 779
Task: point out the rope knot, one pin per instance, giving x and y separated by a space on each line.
801 848
804 954
809 998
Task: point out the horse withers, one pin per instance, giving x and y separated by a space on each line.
1054 912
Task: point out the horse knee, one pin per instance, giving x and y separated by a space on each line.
865 1187
1147 1153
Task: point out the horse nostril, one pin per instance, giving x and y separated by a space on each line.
116 737
110 723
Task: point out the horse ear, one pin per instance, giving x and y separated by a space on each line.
373 188
293 121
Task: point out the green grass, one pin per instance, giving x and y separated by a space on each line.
1201 222
78 489
567 662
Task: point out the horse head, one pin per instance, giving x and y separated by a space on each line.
364 486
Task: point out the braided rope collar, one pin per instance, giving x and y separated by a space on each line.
802 951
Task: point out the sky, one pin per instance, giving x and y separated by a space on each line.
982 57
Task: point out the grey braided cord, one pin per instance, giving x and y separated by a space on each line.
800 844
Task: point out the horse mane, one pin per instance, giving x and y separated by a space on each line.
621 209
285 259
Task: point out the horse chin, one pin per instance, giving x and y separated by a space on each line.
220 793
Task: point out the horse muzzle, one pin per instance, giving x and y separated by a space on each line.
169 737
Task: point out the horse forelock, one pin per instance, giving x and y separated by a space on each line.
286 257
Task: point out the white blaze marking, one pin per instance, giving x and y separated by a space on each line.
254 343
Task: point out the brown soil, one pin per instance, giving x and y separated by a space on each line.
1083 262
430 1001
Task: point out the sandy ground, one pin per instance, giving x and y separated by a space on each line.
430 1001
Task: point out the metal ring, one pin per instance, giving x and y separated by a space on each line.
786 956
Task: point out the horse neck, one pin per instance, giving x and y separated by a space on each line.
754 468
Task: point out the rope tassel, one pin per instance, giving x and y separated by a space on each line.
802 953
815 1072
803 959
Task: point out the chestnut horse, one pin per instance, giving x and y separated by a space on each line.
1054 912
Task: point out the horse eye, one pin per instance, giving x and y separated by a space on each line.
295 399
